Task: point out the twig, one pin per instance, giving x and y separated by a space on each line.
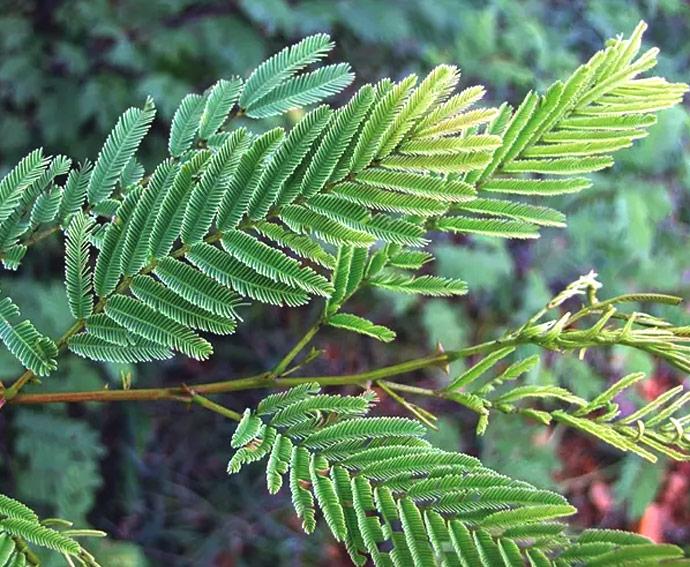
257 381
212 406
421 414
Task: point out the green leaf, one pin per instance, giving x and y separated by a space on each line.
197 288
185 124
46 207
34 532
340 132
242 188
360 325
302 90
541 216
206 197
366 428
92 347
74 193
153 326
389 201
247 429
77 272
168 219
433 286
545 187
110 260
303 220
219 102
120 146
273 263
555 392
383 114
35 351
474 372
434 88
487 227
457 163
300 479
11 508
327 498
135 248
300 244
103 327
167 302
228 271
26 172
285 160
423 185
281 66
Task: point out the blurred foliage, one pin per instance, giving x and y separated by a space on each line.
69 68
637 485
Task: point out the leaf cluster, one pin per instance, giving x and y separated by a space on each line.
390 496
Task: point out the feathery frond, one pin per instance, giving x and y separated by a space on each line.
389 495
342 200
185 124
26 172
21 528
279 216
574 127
356 324
273 72
149 324
227 270
74 192
219 103
206 196
118 149
303 90
77 271
34 350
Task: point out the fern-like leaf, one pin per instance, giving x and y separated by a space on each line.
219 102
118 149
145 322
185 124
360 325
302 90
388 494
26 172
35 351
281 66
77 272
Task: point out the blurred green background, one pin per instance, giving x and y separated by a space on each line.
153 475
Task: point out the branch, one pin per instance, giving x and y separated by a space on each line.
263 380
